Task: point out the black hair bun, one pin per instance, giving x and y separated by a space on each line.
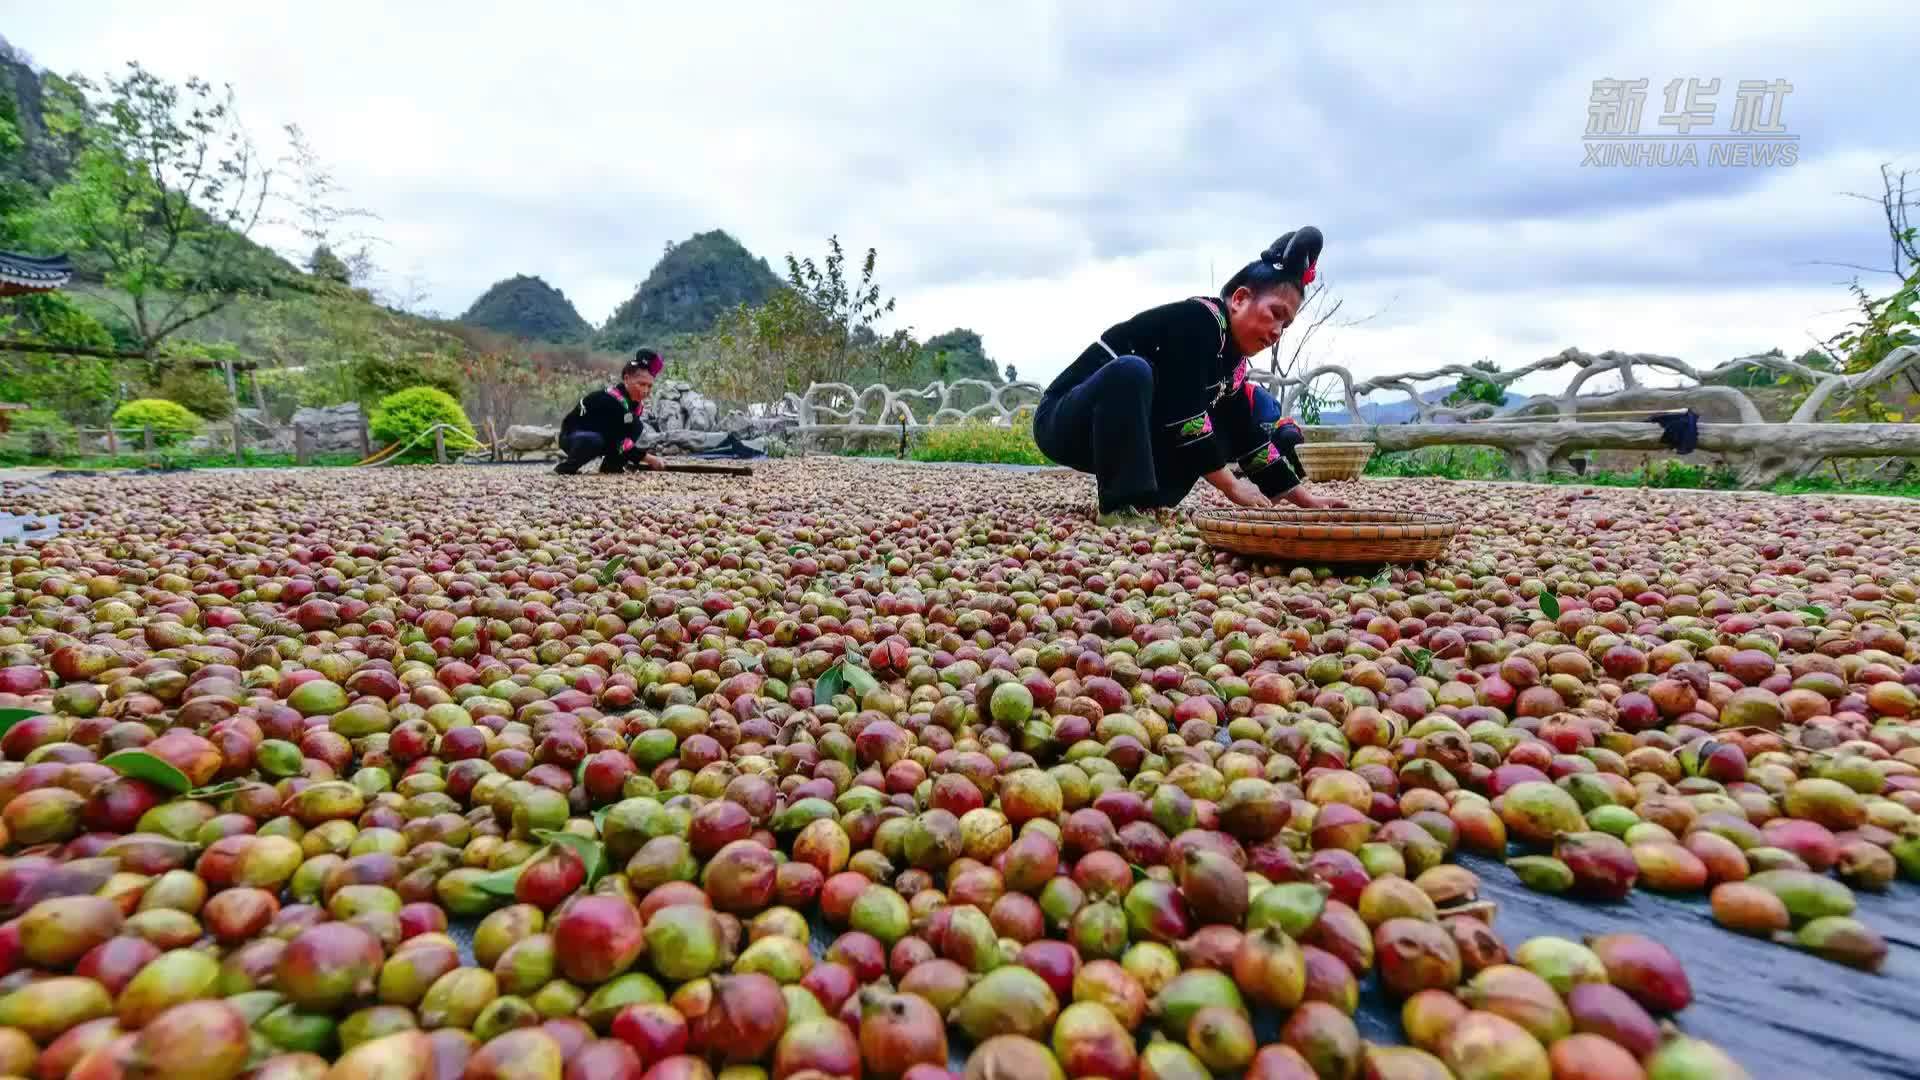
1295 251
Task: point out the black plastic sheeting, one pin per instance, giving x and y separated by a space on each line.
1781 1013
13 527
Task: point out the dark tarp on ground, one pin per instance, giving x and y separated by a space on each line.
703 444
1782 1014
733 446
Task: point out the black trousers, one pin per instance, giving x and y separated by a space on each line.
582 447
1101 427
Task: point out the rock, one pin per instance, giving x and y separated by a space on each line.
333 429
694 441
525 437
756 427
701 413
1883 471
260 431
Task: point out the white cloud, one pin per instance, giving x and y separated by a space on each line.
1036 172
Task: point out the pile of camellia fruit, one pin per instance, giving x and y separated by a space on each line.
860 770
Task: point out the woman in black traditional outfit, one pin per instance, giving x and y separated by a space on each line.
606 422
1164 399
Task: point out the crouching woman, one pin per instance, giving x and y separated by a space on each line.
1163 399
606 423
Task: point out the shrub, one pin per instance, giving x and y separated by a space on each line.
1452 462
981 442
36 433
171 421
403 416
376 378
32 421
202 392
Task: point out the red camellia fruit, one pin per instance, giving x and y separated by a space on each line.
596 938
655 1030
741 1019
899 1031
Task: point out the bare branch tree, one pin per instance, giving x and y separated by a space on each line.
409 295
1899 202
318 217
1318 319
1902 236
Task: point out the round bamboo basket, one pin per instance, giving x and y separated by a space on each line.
1334 460
1347 536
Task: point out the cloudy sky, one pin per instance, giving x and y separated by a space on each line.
1036 171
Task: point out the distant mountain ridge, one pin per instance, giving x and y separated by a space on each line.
687 291
1397 411
528 307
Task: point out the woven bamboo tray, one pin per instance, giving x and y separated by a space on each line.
1347 536
1334 460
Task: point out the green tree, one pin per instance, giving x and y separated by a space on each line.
376 375
1753 375
164 193
820 328
191 381
15 194
323 263
1886 323
1470 389
77 387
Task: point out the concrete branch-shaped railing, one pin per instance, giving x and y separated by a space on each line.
837 409
1768 452
1290 390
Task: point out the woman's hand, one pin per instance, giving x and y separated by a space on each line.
1239 489
1245 493
653 461
1307 500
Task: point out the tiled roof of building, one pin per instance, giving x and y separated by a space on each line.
25 273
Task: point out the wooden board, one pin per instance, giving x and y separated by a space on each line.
708 468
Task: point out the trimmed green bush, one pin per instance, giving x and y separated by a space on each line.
171 421
402 416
